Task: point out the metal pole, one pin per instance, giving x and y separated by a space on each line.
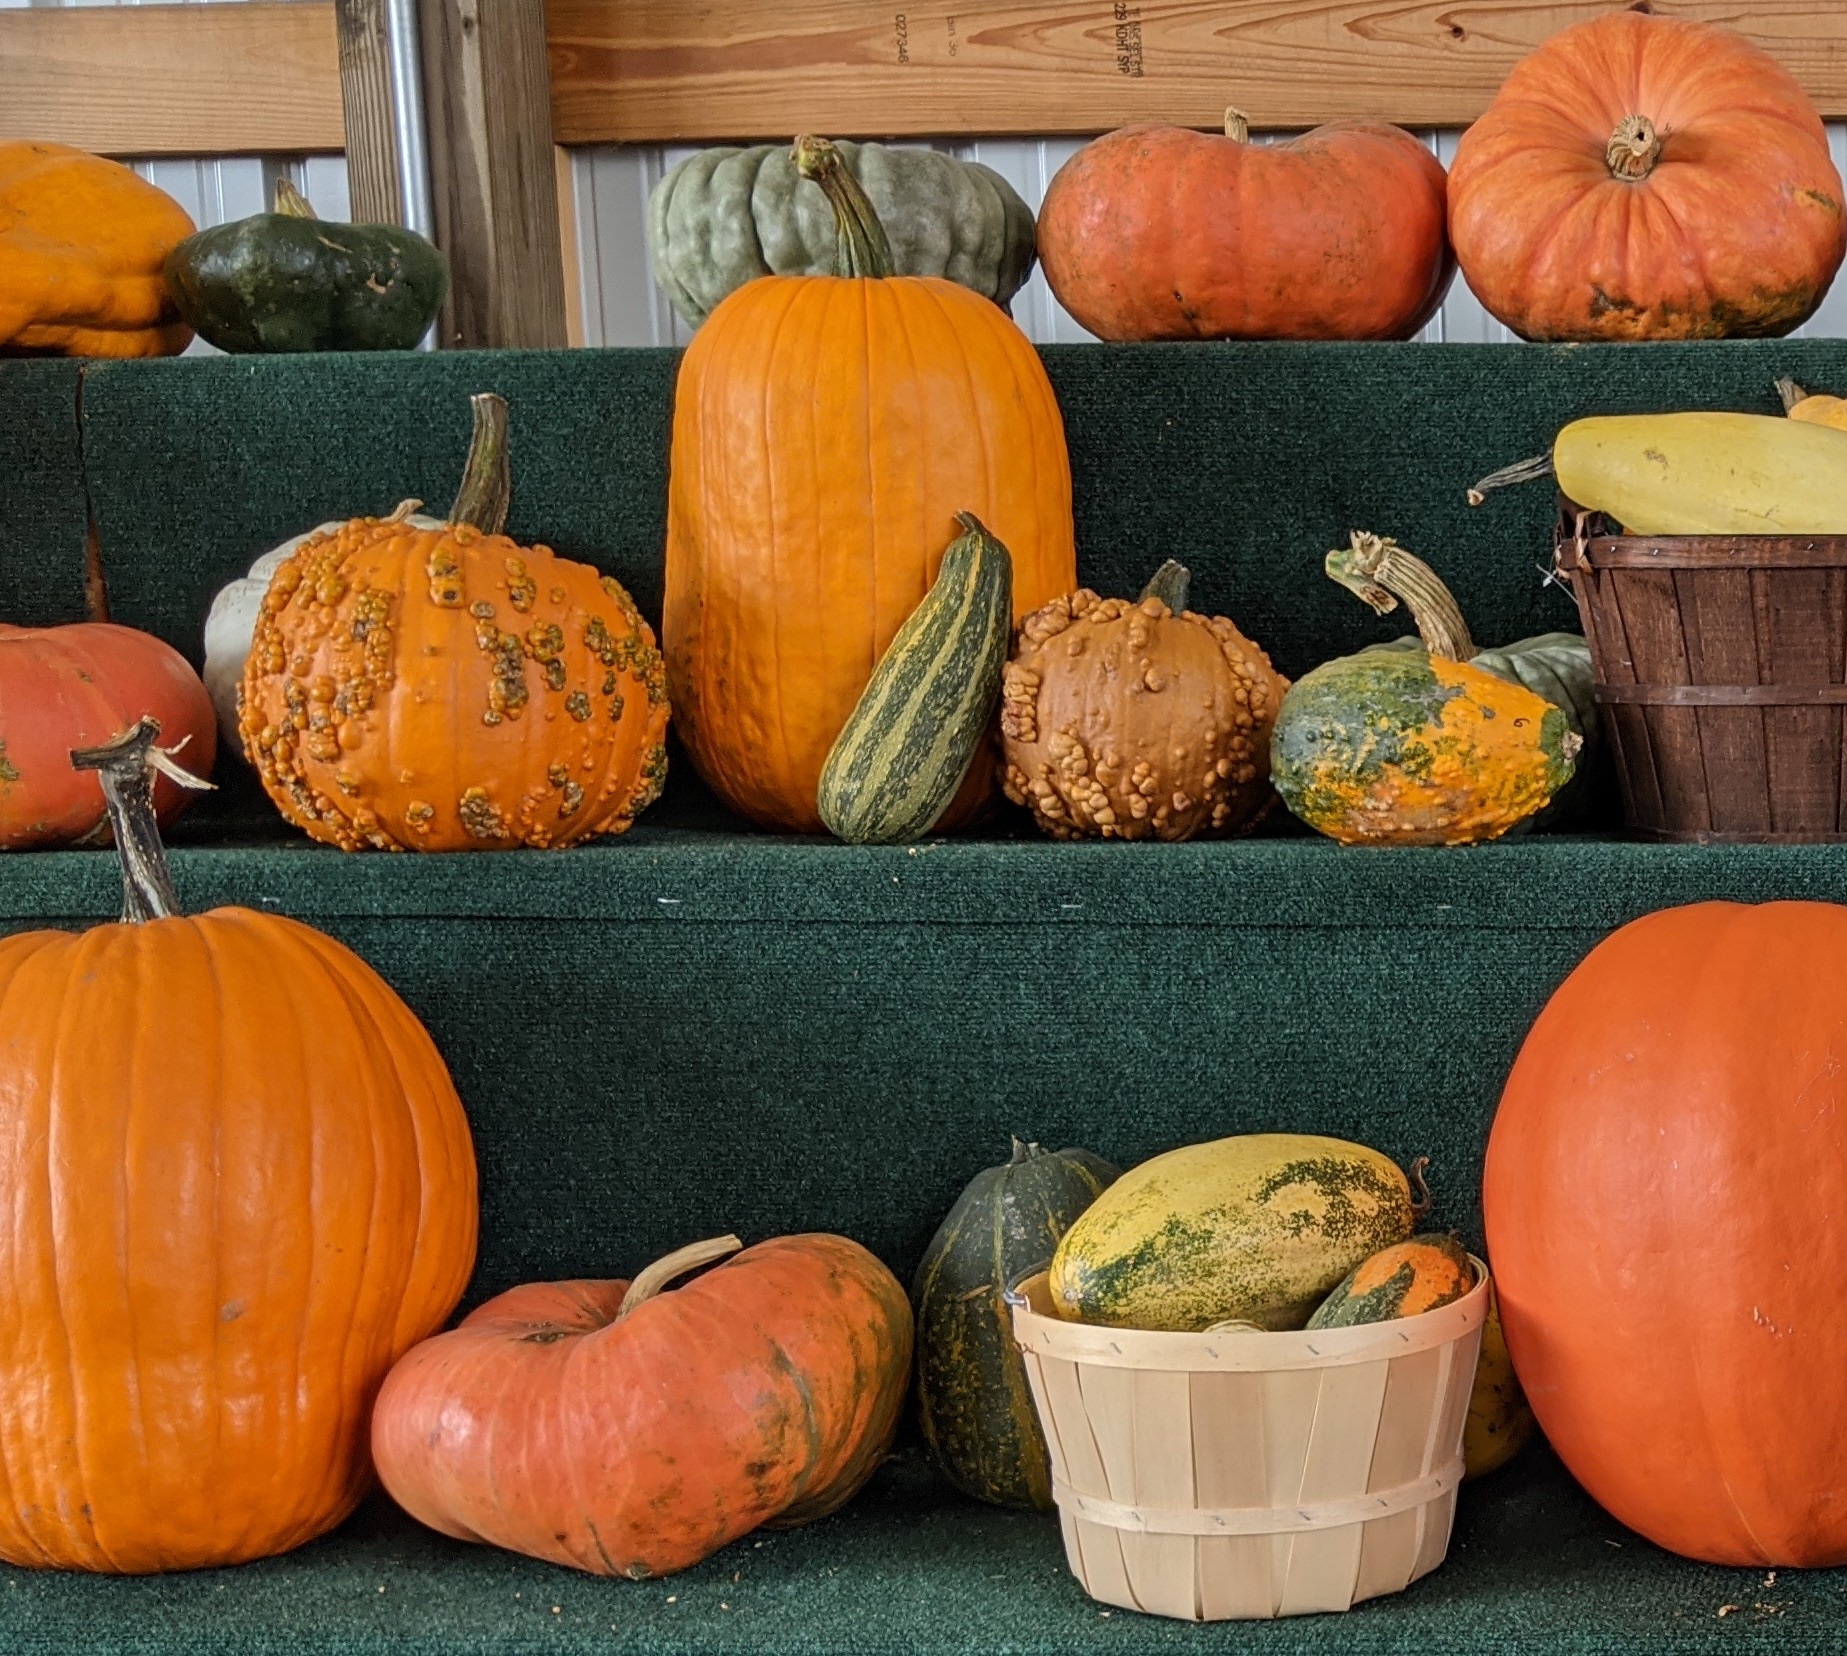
409 127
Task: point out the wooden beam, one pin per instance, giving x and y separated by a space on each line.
647 71
365 85
493 174
252 79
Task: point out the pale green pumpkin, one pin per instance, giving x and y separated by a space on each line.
726 216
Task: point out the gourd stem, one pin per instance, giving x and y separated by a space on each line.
1634 148
861 247
656 1277
1237 125
1379 572
126 768
1791 393
1172 583
1420 1203
290 202
487 481
1023 1151
1521 471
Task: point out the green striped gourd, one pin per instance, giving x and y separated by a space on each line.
1400 1281
974 1403
903 752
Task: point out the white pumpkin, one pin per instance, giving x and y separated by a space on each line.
232 620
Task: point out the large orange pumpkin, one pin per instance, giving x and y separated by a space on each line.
627 1432
435 686
1666 1180
237 1184
1160 232
1643 177
826 432
75 687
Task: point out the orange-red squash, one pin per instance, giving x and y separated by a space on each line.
826 432
1665 1182
627 1432
238 1184
76 687
1642 177
1160 232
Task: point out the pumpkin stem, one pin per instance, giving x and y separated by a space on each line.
1023 1151
1791 393
290 202
1379 572
126 768
1521 471
656 1277
1172 583
861 247
1634 148
1237 125
487 481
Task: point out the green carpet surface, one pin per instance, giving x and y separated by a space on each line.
910 1566
42 508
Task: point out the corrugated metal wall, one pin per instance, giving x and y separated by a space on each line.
622 306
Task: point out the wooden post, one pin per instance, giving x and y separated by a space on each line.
487 88
365 90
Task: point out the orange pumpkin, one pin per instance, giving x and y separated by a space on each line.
1643 177
826 432
1160 232
82 245
625 1432
438 687
238 1184
1665 1182
77 686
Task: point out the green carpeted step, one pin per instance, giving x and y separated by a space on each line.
912 1569
42 504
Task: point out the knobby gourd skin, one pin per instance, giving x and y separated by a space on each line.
826 431
1123 720
974 1402
1642 177
1257 1228
765 1392
1160 232
725 216
82 241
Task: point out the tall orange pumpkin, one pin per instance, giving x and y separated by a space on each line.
1665 1186
826 432
238 1184
1642 177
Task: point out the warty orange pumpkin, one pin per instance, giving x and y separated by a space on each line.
1642 177
627 1432
826 432
1160 232
238 1184
435 686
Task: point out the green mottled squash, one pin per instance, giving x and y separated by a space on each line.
1423 745
1253 1229
1403 1280
726 216
287 281
905 748
974 1402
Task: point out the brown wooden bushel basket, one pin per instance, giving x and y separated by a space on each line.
1721 664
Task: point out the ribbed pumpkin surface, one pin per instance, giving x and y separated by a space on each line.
238 1184
826 431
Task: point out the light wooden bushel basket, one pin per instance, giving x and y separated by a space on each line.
1239 1474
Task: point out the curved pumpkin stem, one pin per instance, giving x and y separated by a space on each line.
1634 148
1379 572
487 480
126 768
861 247
656 1277
1172 583
290 202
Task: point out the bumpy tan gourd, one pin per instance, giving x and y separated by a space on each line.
1131 719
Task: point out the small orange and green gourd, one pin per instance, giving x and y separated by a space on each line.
1423 742
973 1398
1403 1280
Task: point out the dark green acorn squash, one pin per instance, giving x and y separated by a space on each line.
976 1408
287 281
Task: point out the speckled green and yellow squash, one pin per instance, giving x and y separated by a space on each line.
1404 1280
1257 1229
